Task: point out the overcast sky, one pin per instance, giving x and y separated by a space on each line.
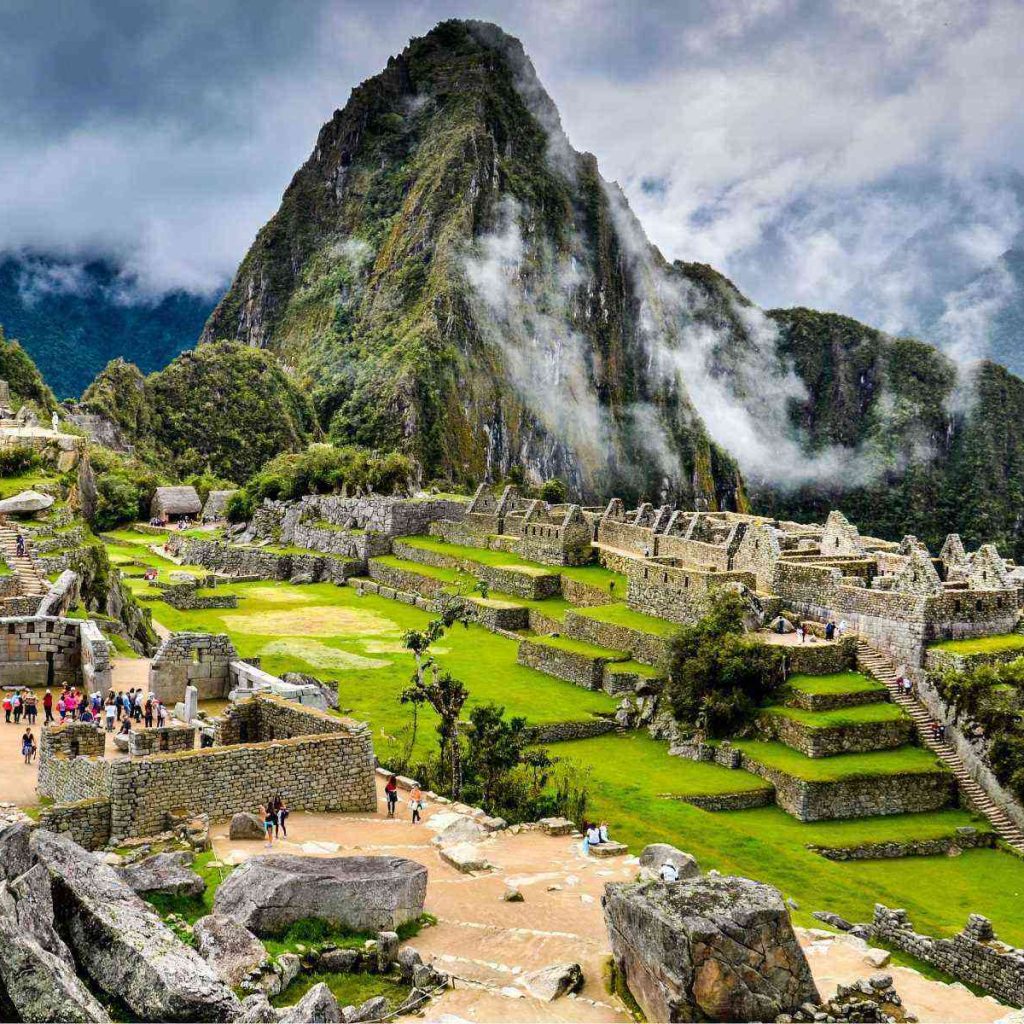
858 155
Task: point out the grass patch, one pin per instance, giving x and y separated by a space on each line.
837 682
620 614
349 989
902 761
633 668
861 714
580 647
191 908
982 644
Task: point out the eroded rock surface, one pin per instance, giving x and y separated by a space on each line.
228 947
169 873
364 894
713 948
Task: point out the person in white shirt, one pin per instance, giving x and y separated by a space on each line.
602 833
593 836
669 872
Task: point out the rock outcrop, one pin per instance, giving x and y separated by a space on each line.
365 894
121 943
551 983
228 947
713 948
246 826
168 873
317 1006
655 855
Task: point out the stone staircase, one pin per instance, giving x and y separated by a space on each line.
31 581
881 667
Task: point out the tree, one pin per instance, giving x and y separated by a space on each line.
717 676
496 747
553 491
447 696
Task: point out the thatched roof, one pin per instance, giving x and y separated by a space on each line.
216 505
27 501
176 501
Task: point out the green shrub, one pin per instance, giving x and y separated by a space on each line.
19 459
241 506
717 676
117 501
553 491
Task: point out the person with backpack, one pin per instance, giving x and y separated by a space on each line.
391 794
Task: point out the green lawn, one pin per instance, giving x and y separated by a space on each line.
862 714
902 761
982 644
581 647
620 614
633 668
456 577
838 682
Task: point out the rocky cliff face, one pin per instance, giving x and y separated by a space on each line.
450 277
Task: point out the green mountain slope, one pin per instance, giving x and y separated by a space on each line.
446 275
72 319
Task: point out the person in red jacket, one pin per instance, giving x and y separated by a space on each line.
47 707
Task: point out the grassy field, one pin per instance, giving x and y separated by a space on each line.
861 714
838 682
902 761
983 644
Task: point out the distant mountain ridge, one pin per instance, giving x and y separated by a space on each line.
74 317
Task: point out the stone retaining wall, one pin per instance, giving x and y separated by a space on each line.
403 579
500 618
858 738
557 732
973 955
235 560
856 797
834 701
579 669
742 801
949 661
508 581
676 593
358 545
645 647
200 659
86 821
586 595
965 839
821 659
41 651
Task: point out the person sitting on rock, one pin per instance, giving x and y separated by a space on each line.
593 837
668 872
602 833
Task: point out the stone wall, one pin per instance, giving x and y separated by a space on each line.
857 797
744 800
965 838
676 594
579 669
973 955
585 595
645 647
821 659
236 560
47 651
358 545
94 656
199 659
938 661
327 772
557 732
841 739
403 579
168 739
67 777
394 517
61 596
86 821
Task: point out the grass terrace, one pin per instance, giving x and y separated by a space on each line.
995 644
902 761
633 668
838 682
862 714
581 647
620 614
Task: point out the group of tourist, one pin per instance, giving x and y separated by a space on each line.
594 835
391 796
938 732
275 813
18 703
906 685
20 546
833 631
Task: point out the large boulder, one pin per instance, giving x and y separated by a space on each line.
168 873
246 826
228 947
655 855
551 983
31 899
460 830
15 857
713 948
317 1006
121 943
363 894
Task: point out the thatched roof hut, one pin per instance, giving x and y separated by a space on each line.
216 506
175 503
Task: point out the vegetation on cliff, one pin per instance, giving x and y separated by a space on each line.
23 377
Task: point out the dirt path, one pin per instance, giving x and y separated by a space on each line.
486 943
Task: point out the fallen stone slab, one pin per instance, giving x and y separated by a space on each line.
32 901
556 826
121 943
167 873
603 850
246 826
655 855
827 917
362 894
461 830
228 947
465 857
551 983
716 948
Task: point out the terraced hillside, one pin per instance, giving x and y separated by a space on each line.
352 634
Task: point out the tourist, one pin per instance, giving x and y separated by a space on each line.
8 707
611 588
119 704
47 708
110 712
800 632
391 794
415 803
841 629
27 743
269 821
62 709
20 545
602 832
148 713
161 714
668 872
940 732
585 844
281 813
137 706
16 706
31 708
830 629
593 837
